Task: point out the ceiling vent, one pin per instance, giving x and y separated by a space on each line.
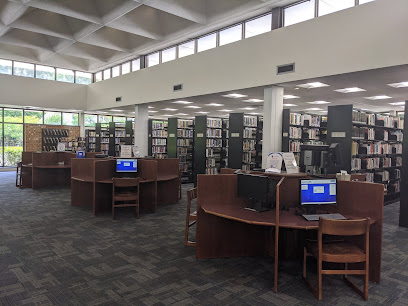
118 99
285 68
178 87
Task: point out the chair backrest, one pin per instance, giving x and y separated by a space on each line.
125 182
191 194
344 227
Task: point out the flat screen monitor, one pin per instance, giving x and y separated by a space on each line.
126 165
318 191
261 190
80 154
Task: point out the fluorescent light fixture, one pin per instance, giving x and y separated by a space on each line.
290 97
225 110
150 107
323 112
254 113
167 115
288 104
152 111
182 102
31 107
313 85
116 110
349 90
181 114
202 112
318 102
170 109
193 106
215 104
314 109
253 100
381 97
101 112
235 96
397 103
399 85
248 108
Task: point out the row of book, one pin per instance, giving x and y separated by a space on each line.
311 133
214 123
214 143
248 145
248 157
210 162
185 133
211 153
375 148
390 121
249 132
159 125
105 147
91 133
214 133
159 133
304 120
159 155
294 146
182 151
375 163
250 121
158 142
211 171
363 117
120 133
184 124
295 132
159 149
184 167
105 140
184 158
184 142
91 139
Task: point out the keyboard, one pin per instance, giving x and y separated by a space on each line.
324 216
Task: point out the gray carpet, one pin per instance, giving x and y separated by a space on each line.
55 254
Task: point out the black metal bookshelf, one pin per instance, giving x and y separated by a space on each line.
157 146
51 137
90 140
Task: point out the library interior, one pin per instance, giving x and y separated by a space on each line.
238 152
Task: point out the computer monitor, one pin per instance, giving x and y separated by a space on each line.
318 191
126 165
259 189
80 154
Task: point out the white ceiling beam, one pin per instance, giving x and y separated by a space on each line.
193 10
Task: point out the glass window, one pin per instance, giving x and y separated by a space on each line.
98 76
153 59
130 119
70 119
115 71
107 74
186 49
6 67
136 64
13 143
52 118
299 12
65 75
207 42
44 72
1 145
125 68
258 26
13 115
231 34
33 117
104 119
119 119
83 78
24 69
331 6
365 1
90 120
1 114
169 54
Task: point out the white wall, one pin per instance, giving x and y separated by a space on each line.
366 37
23 91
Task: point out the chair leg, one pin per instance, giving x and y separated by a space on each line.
113 211
304 262
319 263
367 272
137 210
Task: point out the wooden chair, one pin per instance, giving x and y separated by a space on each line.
126 192
18 174
191 217
180 185
339 252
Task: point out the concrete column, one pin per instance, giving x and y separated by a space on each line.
141 129
81 121
272 121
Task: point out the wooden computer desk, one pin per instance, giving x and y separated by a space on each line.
168 180
224 229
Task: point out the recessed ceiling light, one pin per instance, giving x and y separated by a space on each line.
318 102
193 106
100 112
167 115
235 96
399 85
323 112
116 110
152 111
290 97
181 114
182 102
397 103
225 110
150 107
314 109
313 85
381 97
289 105
253 100
202 112
170 109
248 108
31 107
254 113
349 90
215 104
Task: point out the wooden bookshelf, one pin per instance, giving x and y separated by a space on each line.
157 147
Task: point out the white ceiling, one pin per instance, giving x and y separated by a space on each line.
375 82
90 35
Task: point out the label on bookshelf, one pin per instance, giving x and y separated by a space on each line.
172 135
286 134
97 135
338 134
235 135
127 135
200 135
111 135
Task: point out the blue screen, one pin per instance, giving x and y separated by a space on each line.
320 191
126 165
80 154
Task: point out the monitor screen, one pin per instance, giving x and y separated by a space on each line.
80 154
126 165
318 191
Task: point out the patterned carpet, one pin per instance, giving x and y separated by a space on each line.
55 254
